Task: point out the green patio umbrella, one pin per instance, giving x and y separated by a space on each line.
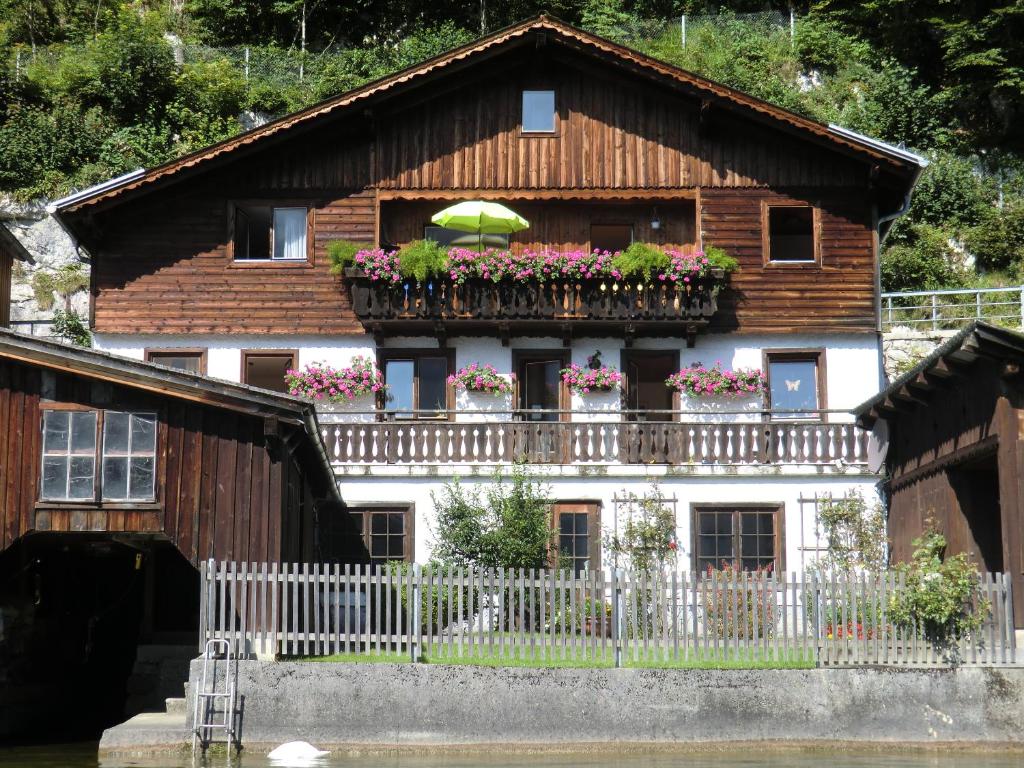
481 217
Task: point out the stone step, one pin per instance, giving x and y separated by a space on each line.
174 706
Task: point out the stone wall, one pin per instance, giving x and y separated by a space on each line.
50 246
389 705
903 348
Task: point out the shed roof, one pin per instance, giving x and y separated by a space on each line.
13 244
170 382
553 30
979 339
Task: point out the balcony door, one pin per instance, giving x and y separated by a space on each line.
645 390
542 398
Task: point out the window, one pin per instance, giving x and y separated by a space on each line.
538 111
791 233
610 237
266 370
265 233
127 454
578 529
69 455
453 238
794 381
747 536
416 381
188 360
387 531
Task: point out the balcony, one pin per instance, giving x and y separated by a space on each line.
556 308
675 439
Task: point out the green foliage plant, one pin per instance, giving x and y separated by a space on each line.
854 533
997 240
942 595
719 259
62 283
924 261
459 602
508 525
646 540
342 254
640 260
736 603
422 259
69 326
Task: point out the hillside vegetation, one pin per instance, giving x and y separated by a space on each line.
93 88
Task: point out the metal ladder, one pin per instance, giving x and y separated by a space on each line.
207 697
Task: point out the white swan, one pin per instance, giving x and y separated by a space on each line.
296 753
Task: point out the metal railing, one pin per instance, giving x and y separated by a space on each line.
613 618
952 309
580 437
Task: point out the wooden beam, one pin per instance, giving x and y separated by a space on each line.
465 193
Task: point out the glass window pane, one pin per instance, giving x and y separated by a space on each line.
143 434
252 232
724 522
794 387
433 383
398 375
189 362
55 477
140 482
582 547
582 524
541 388
766 546
115 433
396 547
706 523
791 233
539 111
748 546
55 431
766 523
80 482
378 524
379 546
566 524
115 478
396 523
725 547
289 233
83 432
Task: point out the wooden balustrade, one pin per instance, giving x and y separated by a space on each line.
585 442
602 300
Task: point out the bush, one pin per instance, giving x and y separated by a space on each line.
434 609
997 241
926 261
718 258
342 254
640 260
70 327
732 608
421 259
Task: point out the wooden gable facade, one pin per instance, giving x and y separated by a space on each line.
634 139
240 474
951 430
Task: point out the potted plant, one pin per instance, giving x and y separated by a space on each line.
327 386
594 378
484 379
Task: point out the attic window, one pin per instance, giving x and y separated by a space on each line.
266 233
791 233
538 111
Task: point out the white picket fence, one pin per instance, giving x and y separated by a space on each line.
555 616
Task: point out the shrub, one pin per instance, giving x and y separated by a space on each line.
421 259
737 604
640 260
699 381
942 597
997 241
342 254
854 533
335 385
926 262
69 326
435 605
718 258
647 540
481 378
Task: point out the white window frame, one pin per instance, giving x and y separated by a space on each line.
130 454
67 454
554 113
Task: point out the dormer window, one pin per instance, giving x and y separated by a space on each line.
269 233
538 112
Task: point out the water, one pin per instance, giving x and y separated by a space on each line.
84 756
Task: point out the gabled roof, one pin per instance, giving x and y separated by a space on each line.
173 383
979 339
13 245
515 35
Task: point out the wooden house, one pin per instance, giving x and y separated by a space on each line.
218 262
949 431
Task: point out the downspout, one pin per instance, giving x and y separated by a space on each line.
313 430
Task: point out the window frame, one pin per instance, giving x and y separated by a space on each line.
817 354
778 510
556 128
768 262
306 263
150 352
129 456
385 354
593 512
522 356
366 509
627 355
96 501
247 353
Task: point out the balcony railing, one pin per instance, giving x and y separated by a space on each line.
674 438
593 301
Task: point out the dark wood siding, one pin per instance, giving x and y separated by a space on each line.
224 490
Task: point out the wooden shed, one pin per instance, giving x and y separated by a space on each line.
950 433
11 250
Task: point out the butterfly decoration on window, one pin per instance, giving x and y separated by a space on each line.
792 386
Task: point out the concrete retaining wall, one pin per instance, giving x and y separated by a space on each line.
394 705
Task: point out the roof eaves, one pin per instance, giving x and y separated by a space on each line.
881 146
15 245
96 189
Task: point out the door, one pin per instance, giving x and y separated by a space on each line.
543 399
646 393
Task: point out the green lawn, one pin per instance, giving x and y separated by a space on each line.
746 661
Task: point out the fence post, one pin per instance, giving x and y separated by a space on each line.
935 312
682 27
247 63
617 617
204 606
414 610
792 27
1022 306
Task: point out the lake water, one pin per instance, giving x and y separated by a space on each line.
84 756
